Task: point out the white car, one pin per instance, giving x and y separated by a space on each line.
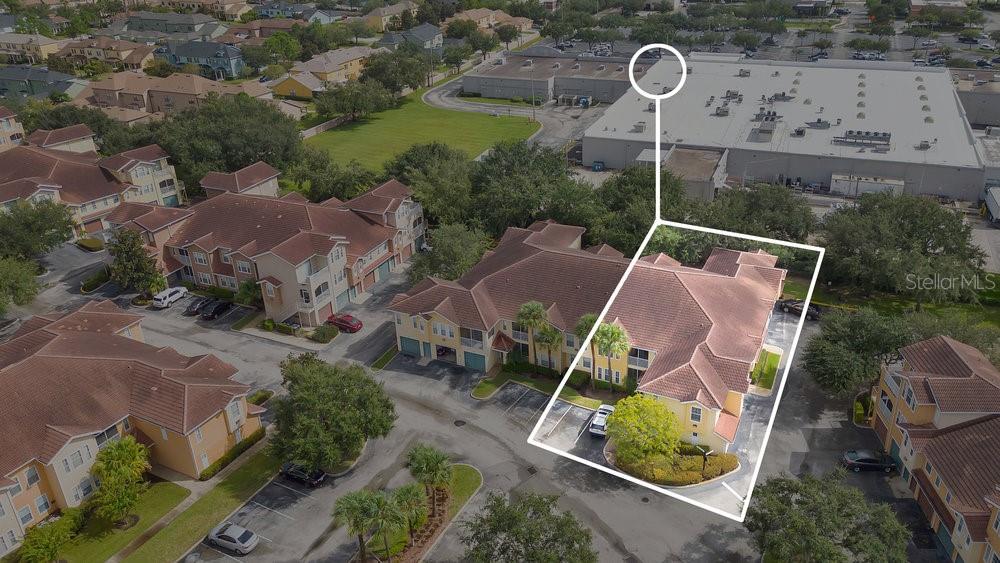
234 538
929 43
599 425
168 297
986 46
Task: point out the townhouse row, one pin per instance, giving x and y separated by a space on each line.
694 334
74 383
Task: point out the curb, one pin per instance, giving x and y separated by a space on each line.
495 391
482 482
353 465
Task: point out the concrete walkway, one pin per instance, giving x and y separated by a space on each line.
198 489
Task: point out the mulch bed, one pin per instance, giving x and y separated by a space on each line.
427 534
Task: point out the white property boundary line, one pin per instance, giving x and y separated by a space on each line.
586 344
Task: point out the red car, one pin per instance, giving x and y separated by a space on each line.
345 322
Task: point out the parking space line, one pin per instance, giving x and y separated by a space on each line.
223 553
582 430
514 404
558 422
263 538
278 512
290 488
532 417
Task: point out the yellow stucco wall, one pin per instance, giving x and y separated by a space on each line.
292 88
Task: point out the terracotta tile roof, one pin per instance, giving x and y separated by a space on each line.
502 343
605 250
77 177
73 376
726 425
146 216
139 83
127 160
954 376
241 180
966 457
382 199
46 138
716 325
6 112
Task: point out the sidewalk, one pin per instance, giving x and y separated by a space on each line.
198 489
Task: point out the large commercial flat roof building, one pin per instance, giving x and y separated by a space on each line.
787 121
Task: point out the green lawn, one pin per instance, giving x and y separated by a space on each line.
99 539
382 136
385 358
173 541
766 369
465 481
487 386
497 101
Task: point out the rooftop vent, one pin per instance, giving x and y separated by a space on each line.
527 63
861 93
621 68
639 127
744 72
862 75
861 84
576 66
923 145
807 101
923 97
798 73
722 110
921 87
928 119
556 65
926 108
796 81
919 78
861 104
861 115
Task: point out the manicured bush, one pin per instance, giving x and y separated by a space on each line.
260 396
220 293
95 281
91 244
267 324
719 464
284 328
324 334
578 379
232 454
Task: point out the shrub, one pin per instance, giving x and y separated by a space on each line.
91 244
232 454
95 281
578 379
284 328
42 543
517 99
324 334
220 292
719 464
267 324
260 396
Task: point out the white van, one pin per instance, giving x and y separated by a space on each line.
168 297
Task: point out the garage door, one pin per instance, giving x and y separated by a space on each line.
475 361
383 269
409 346
343 299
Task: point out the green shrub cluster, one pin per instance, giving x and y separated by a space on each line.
284 328
578 379
42 543
232 454
260 396
267 324
324 334
685 468
95 281
91 244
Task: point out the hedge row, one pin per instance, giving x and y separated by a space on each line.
683 469
260 396
324 334
91 244
232 454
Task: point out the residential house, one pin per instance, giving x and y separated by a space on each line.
282 10
168 22
937 413
120 55
57 23
153 27
695 334
75 138
299 86
154 95
256 31
90 186
28 48
260 178
337 66
486 18
228 10
388 17
216 60
11 130
426 36
550 5
309 259
321 16
76 382
37 82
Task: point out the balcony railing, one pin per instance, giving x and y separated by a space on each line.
636 362
892 384
886 411
470 343
519 335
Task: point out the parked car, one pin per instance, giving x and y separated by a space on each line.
995 60
842 11
795 306
302 475
928 43
983 63
168 297
345 322
216 310
198 305
986 46
599 426
867 460
919 62
234 538
969 40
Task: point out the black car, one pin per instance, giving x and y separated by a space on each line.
795 306
867 460
198 305
300 474
215 310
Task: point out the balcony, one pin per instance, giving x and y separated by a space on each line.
638 363
519 335
470 343
892 384
886 411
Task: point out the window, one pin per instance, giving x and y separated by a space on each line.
126 425
937 481
225 258
587 363
198 436
42 504
204 460
243 266
270 290
24 515
182 252
413 320
66 468
695 414
32 475
947 498
996 524
570 341
322 289
961 525
200 258
87 487
2 511
399 319
76 458
444 330
618 377
304 296
86 448
163 434
16 489
235 413
927 468
204 279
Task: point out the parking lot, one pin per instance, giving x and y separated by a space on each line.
520 404
176 311
566 428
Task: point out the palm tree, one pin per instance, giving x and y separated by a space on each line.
412 501
357 510
431 468
386 518
611 340
532 315
581 330
548 337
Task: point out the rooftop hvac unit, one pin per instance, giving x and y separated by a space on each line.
602 67
799 132
556 65
924 145
744 72
640 127
993 131
730 94
576 66
621 68
722 111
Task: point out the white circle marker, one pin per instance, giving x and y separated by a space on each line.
665 95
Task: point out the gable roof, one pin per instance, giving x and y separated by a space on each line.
78 177
47 137
331 61
955 376
241 180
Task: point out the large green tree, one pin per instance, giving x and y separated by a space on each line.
18 285
328 413
112 136
132 267
642 427
29 230
397 70
958 325
356 99
768 210
322 178
119 466
455 249
528 528
627 204
820 520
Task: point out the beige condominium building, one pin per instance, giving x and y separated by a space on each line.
310 259
91 186
28 48
260 178
75 138
119 54
11 130
389 17
338 65
937 413
75 382
695 334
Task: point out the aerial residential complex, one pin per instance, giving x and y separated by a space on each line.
695 334
75 382
310 259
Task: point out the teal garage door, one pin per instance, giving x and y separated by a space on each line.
171 201
383 269
343 299
475 361
409 346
